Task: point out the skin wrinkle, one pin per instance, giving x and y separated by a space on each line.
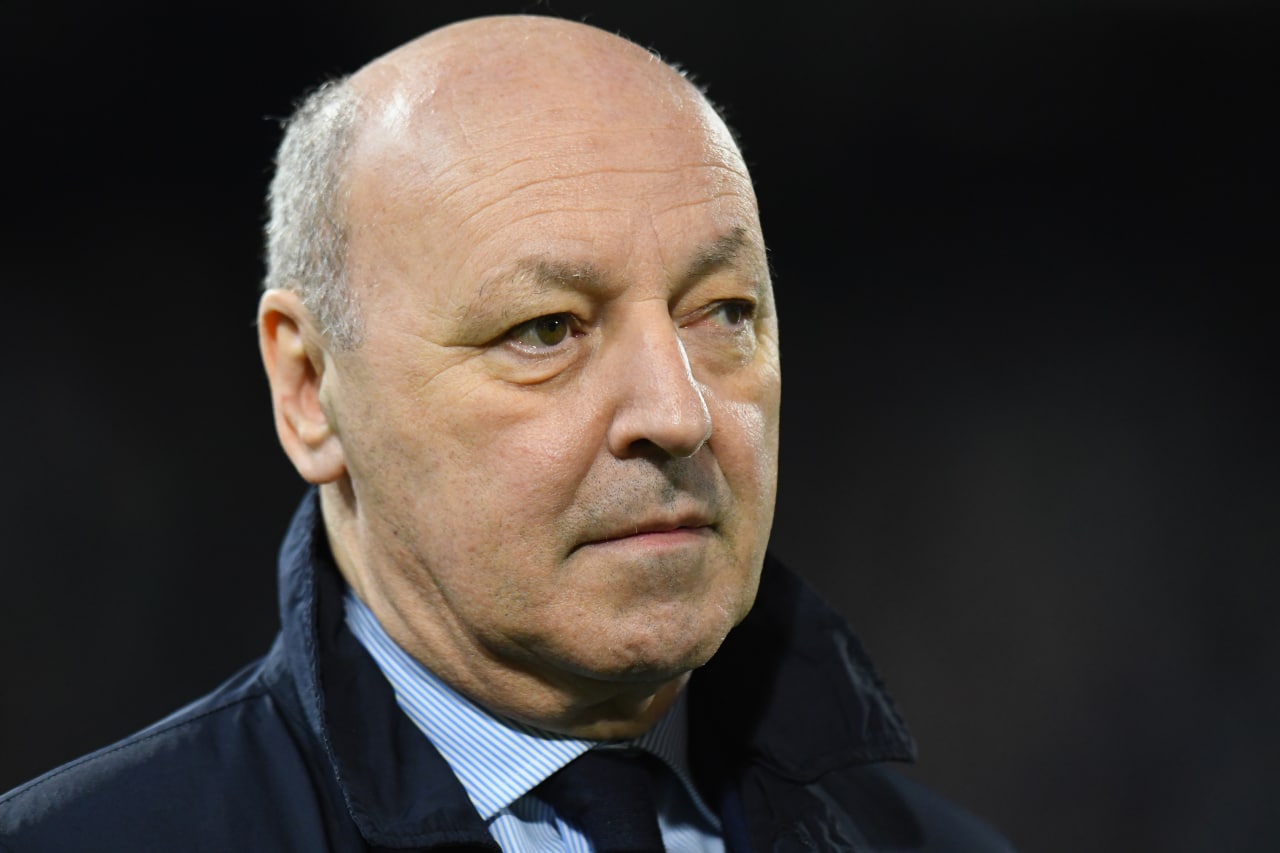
547 275
522 145
542 276
553 180
590 328
537 213
521 121
551 136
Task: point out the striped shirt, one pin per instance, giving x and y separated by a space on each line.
499 761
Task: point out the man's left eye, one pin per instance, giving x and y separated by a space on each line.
734 312
543 332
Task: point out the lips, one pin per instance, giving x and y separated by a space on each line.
693 523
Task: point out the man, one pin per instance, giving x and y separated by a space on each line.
520 335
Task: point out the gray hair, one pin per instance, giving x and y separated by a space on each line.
306 232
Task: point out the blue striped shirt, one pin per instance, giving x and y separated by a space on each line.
499 761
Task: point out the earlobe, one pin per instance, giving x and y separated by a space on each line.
296 360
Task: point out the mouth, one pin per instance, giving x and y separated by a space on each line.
656 533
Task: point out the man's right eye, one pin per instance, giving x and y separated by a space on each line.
543 332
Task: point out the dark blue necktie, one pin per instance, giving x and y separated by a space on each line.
608 794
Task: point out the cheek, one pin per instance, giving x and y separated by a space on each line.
748 454
526 450
511 472
748 415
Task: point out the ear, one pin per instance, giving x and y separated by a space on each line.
296 359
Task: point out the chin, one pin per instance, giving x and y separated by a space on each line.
655 653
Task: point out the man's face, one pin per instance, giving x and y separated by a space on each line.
561 428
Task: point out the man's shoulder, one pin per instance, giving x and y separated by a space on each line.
877 807
182 783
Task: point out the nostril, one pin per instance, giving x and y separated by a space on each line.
648 449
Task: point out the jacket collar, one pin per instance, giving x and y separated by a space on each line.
398 789
803 694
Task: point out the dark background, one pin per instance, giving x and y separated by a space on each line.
1024 256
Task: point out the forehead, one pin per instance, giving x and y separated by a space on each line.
592 175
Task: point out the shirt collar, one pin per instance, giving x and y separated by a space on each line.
496 759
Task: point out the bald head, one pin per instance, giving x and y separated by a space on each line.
508 63
425 110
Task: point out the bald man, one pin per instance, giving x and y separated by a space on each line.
521 341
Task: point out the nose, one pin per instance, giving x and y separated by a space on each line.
657 401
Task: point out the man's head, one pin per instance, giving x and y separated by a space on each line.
547 449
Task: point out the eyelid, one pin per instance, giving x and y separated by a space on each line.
748 305
511 336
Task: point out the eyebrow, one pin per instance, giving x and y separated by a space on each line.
539 275
722 252
544 274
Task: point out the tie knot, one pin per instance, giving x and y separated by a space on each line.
608 795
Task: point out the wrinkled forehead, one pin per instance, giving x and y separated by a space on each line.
576 155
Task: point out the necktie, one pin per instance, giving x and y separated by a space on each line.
607 794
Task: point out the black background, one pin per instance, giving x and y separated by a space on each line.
1024 256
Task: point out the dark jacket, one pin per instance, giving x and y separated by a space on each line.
306 749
